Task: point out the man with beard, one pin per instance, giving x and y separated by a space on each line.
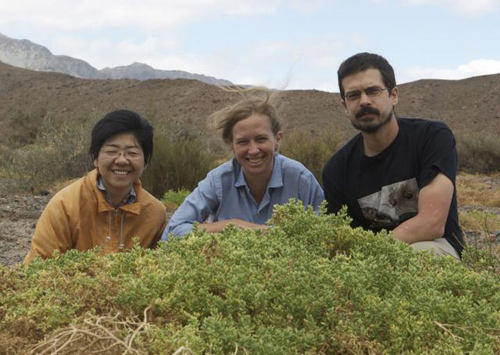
398 173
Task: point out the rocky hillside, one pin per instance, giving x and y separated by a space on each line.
28 55
470 104
142 71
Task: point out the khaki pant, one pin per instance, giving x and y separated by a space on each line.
440 246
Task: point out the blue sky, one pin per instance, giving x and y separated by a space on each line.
294 44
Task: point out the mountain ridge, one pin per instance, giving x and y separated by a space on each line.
468 105
29 55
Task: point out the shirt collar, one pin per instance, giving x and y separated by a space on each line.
275 181
131 198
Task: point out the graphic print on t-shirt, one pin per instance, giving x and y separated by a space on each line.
392 205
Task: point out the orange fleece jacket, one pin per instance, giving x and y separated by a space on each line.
78 217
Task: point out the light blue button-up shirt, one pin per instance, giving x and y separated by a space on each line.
224 194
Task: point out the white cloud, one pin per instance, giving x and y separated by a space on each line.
163 33
292 64
104 52
316 53
477 7
466 7
473 68
149 15
307 6
480 67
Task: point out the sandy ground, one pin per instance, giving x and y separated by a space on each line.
19 213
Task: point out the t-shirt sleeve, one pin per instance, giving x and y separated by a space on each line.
438 155
333 185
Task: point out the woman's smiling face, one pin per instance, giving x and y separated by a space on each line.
120 163
254 145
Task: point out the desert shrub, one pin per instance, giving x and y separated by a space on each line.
23 127
4 153
174 198
187 130
312 151
482 233
311 284
478 152
59 153
20 128
482 254
176 164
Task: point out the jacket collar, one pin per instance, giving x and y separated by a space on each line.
102 205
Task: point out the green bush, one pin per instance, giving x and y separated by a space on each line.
176 165
478 152
482 251
23 127
5 152
174 198
59 153
310 284
312 151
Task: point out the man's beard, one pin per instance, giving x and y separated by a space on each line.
370 127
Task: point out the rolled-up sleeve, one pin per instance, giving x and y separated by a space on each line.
197 207
310 191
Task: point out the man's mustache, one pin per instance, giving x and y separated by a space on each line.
367 110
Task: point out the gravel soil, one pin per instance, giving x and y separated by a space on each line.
18 216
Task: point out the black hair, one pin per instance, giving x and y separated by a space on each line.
122 121
364 61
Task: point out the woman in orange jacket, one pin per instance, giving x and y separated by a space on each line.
108 207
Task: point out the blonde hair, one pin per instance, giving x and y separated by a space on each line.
228 117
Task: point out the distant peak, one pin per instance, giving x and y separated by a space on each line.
137 64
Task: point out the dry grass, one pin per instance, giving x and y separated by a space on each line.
478 190
480 221
478 152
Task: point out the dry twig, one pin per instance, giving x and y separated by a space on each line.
96 334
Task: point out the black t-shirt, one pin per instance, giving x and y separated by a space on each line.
381 192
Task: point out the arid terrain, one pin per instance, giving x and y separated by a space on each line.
18 216
469 105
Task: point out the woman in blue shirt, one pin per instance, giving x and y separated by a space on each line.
244 190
